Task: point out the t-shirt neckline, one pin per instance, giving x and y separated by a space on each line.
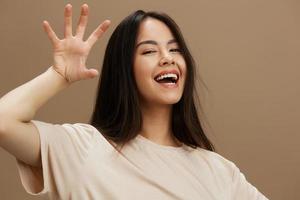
160 146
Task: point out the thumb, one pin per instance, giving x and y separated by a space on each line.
91 73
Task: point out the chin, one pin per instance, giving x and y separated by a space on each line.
170 100
161 98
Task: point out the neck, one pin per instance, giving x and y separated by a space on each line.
157 124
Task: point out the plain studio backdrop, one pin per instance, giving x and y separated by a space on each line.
247 54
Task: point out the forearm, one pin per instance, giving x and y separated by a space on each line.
23 102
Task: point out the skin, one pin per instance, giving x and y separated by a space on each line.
18 135
150 59
70 53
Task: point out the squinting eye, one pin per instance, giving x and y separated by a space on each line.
175 50
147 52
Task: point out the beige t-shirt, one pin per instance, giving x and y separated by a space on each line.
78 163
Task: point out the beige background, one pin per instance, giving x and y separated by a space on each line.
248 55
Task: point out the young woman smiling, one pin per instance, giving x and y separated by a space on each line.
144 139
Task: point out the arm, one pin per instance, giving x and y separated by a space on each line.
22 103
17 135
18 107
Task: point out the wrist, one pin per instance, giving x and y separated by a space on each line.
60 76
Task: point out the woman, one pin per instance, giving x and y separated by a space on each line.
144 106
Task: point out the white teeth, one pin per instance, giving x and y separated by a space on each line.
167 76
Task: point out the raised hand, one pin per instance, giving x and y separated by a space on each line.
71 52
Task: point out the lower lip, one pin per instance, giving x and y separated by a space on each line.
169 85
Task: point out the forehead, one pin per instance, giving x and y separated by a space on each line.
153 29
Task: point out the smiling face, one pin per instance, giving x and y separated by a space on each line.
157 53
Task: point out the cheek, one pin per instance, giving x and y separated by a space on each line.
182 67
142 71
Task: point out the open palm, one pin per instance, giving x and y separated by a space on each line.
71 52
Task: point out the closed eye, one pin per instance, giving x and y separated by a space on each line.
148 52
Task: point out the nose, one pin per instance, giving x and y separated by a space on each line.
166 59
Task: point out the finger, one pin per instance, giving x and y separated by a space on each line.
68 20
82 21
51 34
98 32
90 73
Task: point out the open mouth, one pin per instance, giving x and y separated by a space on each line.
169 78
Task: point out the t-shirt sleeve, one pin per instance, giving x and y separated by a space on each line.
241 188
63 152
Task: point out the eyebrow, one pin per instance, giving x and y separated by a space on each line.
154 42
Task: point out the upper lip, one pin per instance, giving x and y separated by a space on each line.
173 71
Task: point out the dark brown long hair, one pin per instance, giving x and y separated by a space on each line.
117 113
